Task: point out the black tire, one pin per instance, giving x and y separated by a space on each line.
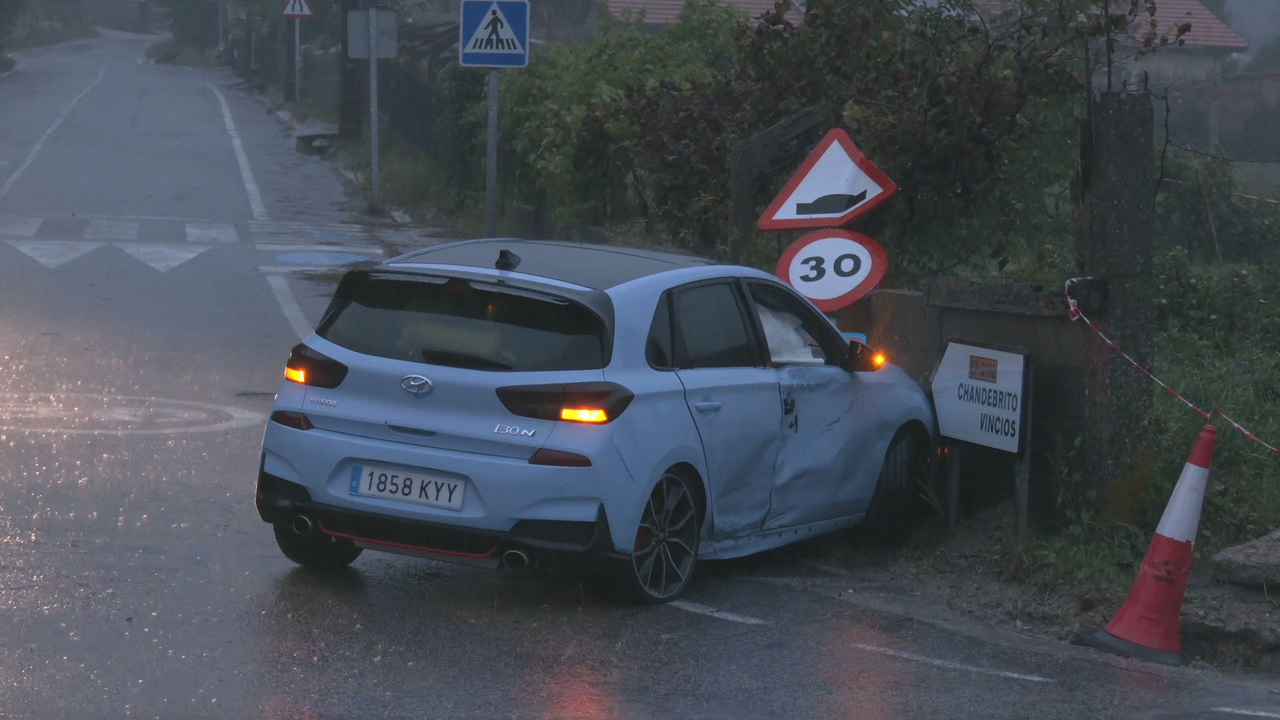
665 552
897 501
316 551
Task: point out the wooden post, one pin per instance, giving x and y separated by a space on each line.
954 455
1115 217
748 161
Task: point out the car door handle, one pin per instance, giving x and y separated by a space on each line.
707 406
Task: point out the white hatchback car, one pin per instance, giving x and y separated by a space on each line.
497 402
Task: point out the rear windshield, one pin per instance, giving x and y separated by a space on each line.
463 324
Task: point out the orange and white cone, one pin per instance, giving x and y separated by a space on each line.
1149 624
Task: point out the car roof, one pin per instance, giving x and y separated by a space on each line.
592 266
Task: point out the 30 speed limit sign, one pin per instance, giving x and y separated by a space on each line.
833 268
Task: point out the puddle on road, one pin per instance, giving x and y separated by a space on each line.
83 414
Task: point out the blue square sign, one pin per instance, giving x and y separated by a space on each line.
494 33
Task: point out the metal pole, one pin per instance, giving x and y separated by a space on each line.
491 171
373 107
297 60
222 28
1023 467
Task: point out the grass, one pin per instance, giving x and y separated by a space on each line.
1259 179
167 52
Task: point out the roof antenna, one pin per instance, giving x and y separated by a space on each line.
507 260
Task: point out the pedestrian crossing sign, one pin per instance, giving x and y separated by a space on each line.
494 33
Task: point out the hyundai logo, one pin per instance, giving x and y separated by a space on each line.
416 385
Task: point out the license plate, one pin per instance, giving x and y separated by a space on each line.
407 485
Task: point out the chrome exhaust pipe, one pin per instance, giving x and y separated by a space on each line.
515 559
302 525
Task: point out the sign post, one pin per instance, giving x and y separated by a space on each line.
372 34
981 394
493 34
297 9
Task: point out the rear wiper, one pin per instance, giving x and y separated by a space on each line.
455 359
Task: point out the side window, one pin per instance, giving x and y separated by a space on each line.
657 349
795 333
710 328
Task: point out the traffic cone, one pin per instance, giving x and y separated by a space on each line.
1149 624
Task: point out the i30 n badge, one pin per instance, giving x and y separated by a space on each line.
616 408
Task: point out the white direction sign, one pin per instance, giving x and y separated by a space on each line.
979 394
493 33
833 268
297 9
835 184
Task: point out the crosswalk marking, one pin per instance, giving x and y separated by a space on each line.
163 257
104 229
19 226
52 253
212 233
319 247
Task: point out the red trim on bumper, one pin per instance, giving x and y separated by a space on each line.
492 551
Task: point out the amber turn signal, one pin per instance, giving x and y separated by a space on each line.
297 375
584 415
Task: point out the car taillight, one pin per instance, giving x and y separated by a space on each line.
559 458
295 420
308 367
589 402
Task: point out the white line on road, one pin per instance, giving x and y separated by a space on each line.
289 306
1246 713
949 664
250 186
4 189
718 614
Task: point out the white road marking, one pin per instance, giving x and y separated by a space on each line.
1246 713
52 253
289 306
246 173
948 664
718 614
163 257
20 226
212 233
103 229
8 185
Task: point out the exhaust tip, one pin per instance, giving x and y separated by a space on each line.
302 525
515 559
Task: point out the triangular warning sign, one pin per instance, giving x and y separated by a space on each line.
494 35
298 9
835 184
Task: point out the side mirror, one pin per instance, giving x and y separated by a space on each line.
863 359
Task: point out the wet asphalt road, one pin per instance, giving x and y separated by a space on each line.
149 293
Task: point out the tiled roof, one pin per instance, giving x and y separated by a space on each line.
662 12
1207 31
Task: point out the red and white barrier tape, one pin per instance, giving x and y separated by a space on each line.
1075 313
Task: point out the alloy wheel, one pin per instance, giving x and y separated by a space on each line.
666 546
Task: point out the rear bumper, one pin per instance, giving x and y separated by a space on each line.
279 501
